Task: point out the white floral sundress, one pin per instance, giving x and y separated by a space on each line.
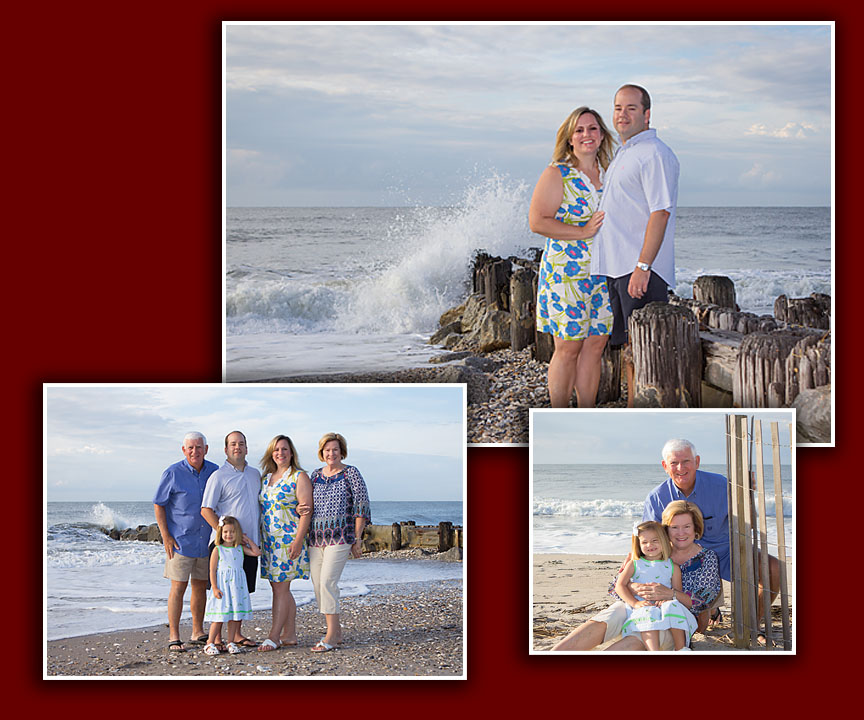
571 302
279 521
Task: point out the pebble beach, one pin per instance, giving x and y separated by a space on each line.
513 382
400 630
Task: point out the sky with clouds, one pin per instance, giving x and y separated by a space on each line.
112 443
415 114
635 437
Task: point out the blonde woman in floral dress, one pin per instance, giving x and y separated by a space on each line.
286 491
573 305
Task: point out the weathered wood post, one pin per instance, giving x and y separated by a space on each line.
396 537
522 321
667 357
808 365
445 536
495 276
609 389
760 373
812 311
716 290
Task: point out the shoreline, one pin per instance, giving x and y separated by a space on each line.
569 589
396 630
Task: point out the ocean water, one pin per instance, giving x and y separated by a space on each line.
96 584
321 290
590 509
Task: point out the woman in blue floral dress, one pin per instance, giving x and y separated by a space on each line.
285 491
573 305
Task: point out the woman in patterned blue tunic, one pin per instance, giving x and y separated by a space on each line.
573 305
341 512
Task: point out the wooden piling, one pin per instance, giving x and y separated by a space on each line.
668 372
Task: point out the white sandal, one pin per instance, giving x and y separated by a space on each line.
211 649
268 646
234 648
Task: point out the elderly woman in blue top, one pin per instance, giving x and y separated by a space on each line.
185 534
340 512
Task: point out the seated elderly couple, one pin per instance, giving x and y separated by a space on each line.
213 520
670 583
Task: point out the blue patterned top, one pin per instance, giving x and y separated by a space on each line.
337 501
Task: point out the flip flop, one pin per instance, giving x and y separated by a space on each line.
246 642
200 640
176 646
323 647
267 646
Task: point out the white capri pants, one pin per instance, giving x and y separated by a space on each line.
325 566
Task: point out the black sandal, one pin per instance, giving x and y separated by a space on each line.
176 646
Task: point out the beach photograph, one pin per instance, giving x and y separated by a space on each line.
378 184
110 451
597 476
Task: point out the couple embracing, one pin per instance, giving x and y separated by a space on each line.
609 220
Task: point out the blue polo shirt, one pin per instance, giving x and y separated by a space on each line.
710 496
180 492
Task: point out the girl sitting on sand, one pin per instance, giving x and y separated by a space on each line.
229 599
650 562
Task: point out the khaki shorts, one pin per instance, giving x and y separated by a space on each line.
181 568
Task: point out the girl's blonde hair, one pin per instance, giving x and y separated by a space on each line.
666 546
268 465
682 507
343 445
238 531
563 152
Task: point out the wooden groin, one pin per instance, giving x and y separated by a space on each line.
398 536
747 360
402 535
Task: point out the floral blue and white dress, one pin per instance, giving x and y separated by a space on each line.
235 603
571 303
670 615
279 520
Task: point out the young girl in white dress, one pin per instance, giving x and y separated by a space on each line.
228 600
650 562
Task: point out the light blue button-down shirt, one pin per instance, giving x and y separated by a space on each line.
642 178
180 492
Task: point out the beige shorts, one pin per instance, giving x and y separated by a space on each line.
181 568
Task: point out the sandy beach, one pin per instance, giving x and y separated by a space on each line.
570 589
400 630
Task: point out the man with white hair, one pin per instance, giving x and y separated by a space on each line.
185 536
705 489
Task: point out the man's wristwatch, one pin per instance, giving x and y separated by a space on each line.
644 267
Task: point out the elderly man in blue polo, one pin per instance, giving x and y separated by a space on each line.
185 535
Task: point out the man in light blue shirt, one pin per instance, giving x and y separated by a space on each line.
635 246
185 534
704 489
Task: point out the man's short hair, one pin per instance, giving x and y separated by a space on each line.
676 445
231 433
194 435
646 98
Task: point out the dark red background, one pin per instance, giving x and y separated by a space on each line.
112 236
